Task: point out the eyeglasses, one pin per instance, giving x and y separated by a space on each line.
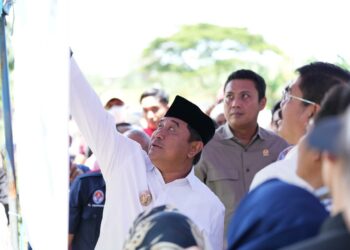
287 96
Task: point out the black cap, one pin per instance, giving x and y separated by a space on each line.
190 113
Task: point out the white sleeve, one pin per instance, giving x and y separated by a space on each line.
217 230
121 160
258 179
96 125
271 171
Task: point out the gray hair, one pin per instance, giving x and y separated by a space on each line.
139 136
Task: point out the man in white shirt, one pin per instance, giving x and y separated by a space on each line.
331 137
300 103
136 181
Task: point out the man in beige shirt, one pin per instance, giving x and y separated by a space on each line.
239 148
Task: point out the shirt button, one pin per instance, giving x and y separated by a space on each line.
247 169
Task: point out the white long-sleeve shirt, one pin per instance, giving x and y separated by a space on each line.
128 172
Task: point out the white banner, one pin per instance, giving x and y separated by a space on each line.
41 120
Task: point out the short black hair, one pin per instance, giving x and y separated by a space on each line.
276 107
194 136
247 74
335 102
159 94
318 78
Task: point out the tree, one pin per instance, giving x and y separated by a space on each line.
205 54
342 62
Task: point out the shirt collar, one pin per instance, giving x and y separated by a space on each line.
228 134
190 179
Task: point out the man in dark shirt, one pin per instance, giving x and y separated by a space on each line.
87 199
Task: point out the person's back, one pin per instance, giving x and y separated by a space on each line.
274 215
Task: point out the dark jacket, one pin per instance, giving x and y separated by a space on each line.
334 235
86 203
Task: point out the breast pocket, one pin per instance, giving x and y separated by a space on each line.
225 183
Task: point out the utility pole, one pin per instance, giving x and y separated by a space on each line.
9 154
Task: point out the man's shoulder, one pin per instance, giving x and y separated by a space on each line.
205 191
93 178
91 174
270 135
274 170
219 134
218 140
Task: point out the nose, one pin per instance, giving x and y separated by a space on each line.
158 134
235 103
149 115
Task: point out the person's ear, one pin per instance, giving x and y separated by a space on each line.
262 103
317 155
195 148
313 110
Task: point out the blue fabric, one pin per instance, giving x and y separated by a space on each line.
86 203
273 215
83 168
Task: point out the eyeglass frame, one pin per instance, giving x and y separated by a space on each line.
286 96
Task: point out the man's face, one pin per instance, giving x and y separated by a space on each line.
153 110
241 104
295 114
170 143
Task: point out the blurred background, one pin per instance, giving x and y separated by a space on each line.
190 47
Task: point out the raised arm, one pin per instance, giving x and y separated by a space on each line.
93 121
97 125
122 161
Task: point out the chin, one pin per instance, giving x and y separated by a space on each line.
151 154
237 125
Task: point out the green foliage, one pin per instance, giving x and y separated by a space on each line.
203 45
199 58
342 62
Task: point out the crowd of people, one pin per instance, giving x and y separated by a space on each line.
216 179
185 178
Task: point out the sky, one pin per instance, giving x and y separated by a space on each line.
108 36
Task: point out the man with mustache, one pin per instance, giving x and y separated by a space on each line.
137 182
